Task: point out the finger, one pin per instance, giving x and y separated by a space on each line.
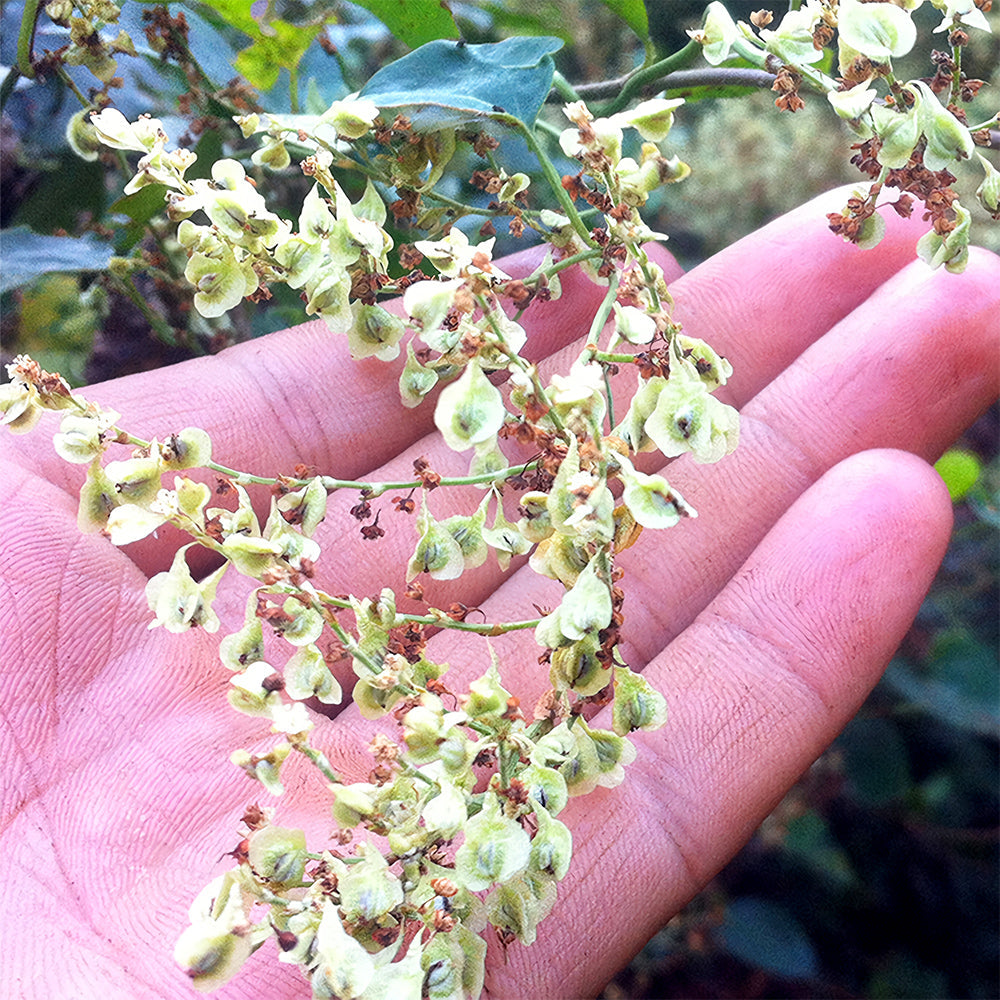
295 397
962 303
757 686
763 300
314 405
882 378
766 298
910 369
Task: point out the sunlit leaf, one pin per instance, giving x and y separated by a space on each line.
414 22
261 62
633 13
960 470
276 44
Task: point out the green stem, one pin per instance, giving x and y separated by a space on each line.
752 50
70 85
530 370
648 75
613 358
956 75
600 319
264 895
178 40
437 619
26 38
374 490
640 256
895 89
552 177
320 760
7 87
478 628
610 397
415 772
566 262
509 757
548 128
563 87
371 490
989 123
460 207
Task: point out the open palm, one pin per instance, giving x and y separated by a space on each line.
765 622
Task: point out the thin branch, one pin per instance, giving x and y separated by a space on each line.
637 81
686 78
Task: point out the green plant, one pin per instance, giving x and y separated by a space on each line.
404 916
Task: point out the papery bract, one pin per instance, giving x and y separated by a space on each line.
717 35
469 410
876 30
496 847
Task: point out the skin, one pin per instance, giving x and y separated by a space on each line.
765 622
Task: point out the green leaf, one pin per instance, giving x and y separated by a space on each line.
960 686
875 759
446 85
139 207
764 933
414 22
540 17
277 44
261 62
26 255
960 470
633 13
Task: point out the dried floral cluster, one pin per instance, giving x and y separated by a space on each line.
457 826
910 137
437 849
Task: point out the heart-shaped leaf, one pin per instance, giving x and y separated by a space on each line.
448 84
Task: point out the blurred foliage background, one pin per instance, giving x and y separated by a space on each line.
877 876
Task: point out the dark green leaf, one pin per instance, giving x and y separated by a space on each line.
67 188
414 22
963 692
140 207
808 837
447 85
903 975
765 934
633 13
26 255
875 759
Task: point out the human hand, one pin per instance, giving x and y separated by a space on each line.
765 622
